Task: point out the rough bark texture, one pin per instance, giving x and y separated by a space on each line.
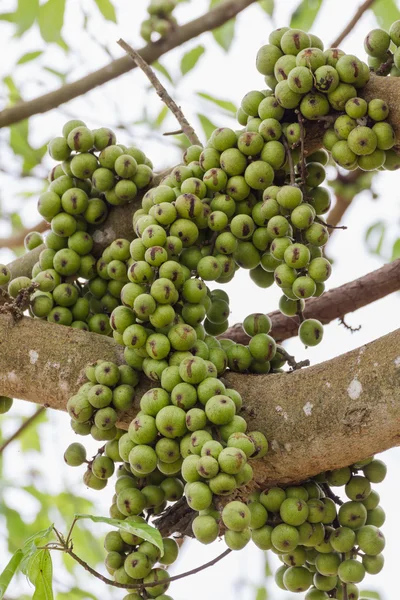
152 52
319 418
333 304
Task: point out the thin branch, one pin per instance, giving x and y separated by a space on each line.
162 92
333 304
330 225
292 361
177 132
338 210
141 586
22 428
300 312
222 13
331 495
17 240
349 327
352 23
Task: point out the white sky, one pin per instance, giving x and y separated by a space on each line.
230 77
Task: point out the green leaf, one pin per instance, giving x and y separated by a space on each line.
372 595
61 76
76 594
224 35
375 236
41 575
268 6
107 9
161 116
191 58
261 594
143 530
14 95
51 20
161 69
207 125
225 104
386 12
29 56
25 15
305 14
396 250
30 547
9 572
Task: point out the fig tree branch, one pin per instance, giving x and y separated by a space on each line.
22 428
17 240
333 304
323 417
222 13
352 23
187 129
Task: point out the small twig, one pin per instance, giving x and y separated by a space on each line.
344 585
162 92
330 226
22 428
177 132
292 361
299 312
349 327
141 586
331 495
303 168
290 161
16 306
70 531
349 27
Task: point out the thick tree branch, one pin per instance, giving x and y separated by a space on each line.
152 52
333 304
17 240
24 264
319 418
352 23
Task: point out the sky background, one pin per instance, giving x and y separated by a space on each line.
227 76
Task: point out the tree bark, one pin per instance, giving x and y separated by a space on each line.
320 418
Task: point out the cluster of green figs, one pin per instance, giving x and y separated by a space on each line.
249 199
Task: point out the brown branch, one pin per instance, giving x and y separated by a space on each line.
290 160
141 586
162 92
352 23
333 304
22 428
17 240
222 13
338 210
356 396
24 264
177 132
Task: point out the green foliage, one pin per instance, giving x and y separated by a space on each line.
40 573
396 250
226 105
207 125
29 56
9 572
268 6
305 14
191 58
51 20
225 34
386 12
143 530
24 16
107 9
